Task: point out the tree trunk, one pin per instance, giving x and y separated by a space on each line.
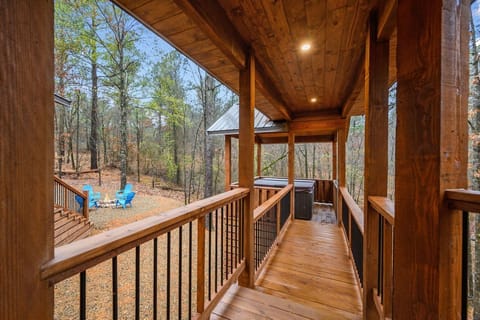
93 141
175 154
139 138
123 125
209 104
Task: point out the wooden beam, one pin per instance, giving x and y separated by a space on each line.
341 177
304 126
265 86
291 171
387 19
259 160
319 115
356 90
334 159
431 156
298 139
376 156
245 164
213 21
228 162
26 157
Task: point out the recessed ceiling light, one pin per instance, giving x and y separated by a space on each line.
306 46
313 100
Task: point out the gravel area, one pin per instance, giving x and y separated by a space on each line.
147 202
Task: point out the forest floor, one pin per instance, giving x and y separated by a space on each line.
147 202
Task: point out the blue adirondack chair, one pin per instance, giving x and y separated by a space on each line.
122 194
91 203
125 201
93 196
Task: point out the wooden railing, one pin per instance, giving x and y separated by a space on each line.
64 196
270 221
262 194
209 231
467 201
324 191
352 222
383 293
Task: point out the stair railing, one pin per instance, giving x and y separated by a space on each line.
64 196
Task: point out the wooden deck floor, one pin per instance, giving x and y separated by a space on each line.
309 277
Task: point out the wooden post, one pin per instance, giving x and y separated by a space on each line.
259 160
334 159
340 138
26 158
86 204
376 156
245 163
291 172
431 155
228 162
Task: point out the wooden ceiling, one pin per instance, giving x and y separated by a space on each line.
219 34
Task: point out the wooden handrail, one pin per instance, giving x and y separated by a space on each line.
270 203
384 206
66 203
69 187
462 199
357 213
80 255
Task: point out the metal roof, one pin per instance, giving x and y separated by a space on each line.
228 123
61 100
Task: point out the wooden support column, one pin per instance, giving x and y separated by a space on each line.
334 159
376 157
291 171
228 162
246 164
431 155
26 158
259 159
341 177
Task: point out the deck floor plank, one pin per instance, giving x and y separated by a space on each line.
310 276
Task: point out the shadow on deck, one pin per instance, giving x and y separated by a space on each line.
310 276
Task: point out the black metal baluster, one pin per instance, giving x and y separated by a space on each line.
255 239
190 270
180 272
155 278
216 250
168 274
243 228
227 238
231 237
465 248
83 295
210 256
237 245
114 288
221 250
137 283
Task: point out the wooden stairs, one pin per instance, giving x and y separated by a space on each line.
70 226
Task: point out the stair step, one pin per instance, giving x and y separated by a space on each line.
64 226
72 227
74 233
82 233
